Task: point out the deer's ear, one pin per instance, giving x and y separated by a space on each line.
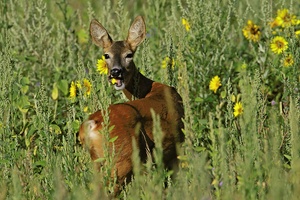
99 34
136 33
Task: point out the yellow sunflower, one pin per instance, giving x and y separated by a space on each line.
88 86
251 31
288 60
102 66
279 45
238 109
78 84
186 24
297 33
215 83
113 81
286 19
73 90
275 22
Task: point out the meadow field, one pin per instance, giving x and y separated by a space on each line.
235 63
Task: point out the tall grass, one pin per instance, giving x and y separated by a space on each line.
45 46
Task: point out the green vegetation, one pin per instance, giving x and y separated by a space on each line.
249 150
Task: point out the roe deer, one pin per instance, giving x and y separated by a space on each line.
127 117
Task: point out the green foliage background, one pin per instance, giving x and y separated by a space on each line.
45 46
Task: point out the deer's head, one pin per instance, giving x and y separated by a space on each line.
119 54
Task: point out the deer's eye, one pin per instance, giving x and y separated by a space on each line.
130 55
106 56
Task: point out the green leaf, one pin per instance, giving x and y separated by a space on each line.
23 104
40 163
27 142
54 94
111 128
169 173
199 99
4 161
25 81
75 125
54 128
98 160
83 36
112 140
23 110
24 89
233 98
31 130
200 149
23 101
288 157
182 158
223 94
238 97
63 86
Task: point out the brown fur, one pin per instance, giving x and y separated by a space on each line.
127 117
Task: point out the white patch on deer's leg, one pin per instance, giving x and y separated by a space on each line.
90 132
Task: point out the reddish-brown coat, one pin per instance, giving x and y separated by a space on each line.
133 119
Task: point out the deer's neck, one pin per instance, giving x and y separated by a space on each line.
138 87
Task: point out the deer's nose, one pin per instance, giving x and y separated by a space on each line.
116 72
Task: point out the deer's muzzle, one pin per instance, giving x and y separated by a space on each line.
116 73
116 78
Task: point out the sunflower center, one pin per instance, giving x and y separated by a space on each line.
254 30
279 44
287 18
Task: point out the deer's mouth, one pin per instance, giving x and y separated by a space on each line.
117 81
